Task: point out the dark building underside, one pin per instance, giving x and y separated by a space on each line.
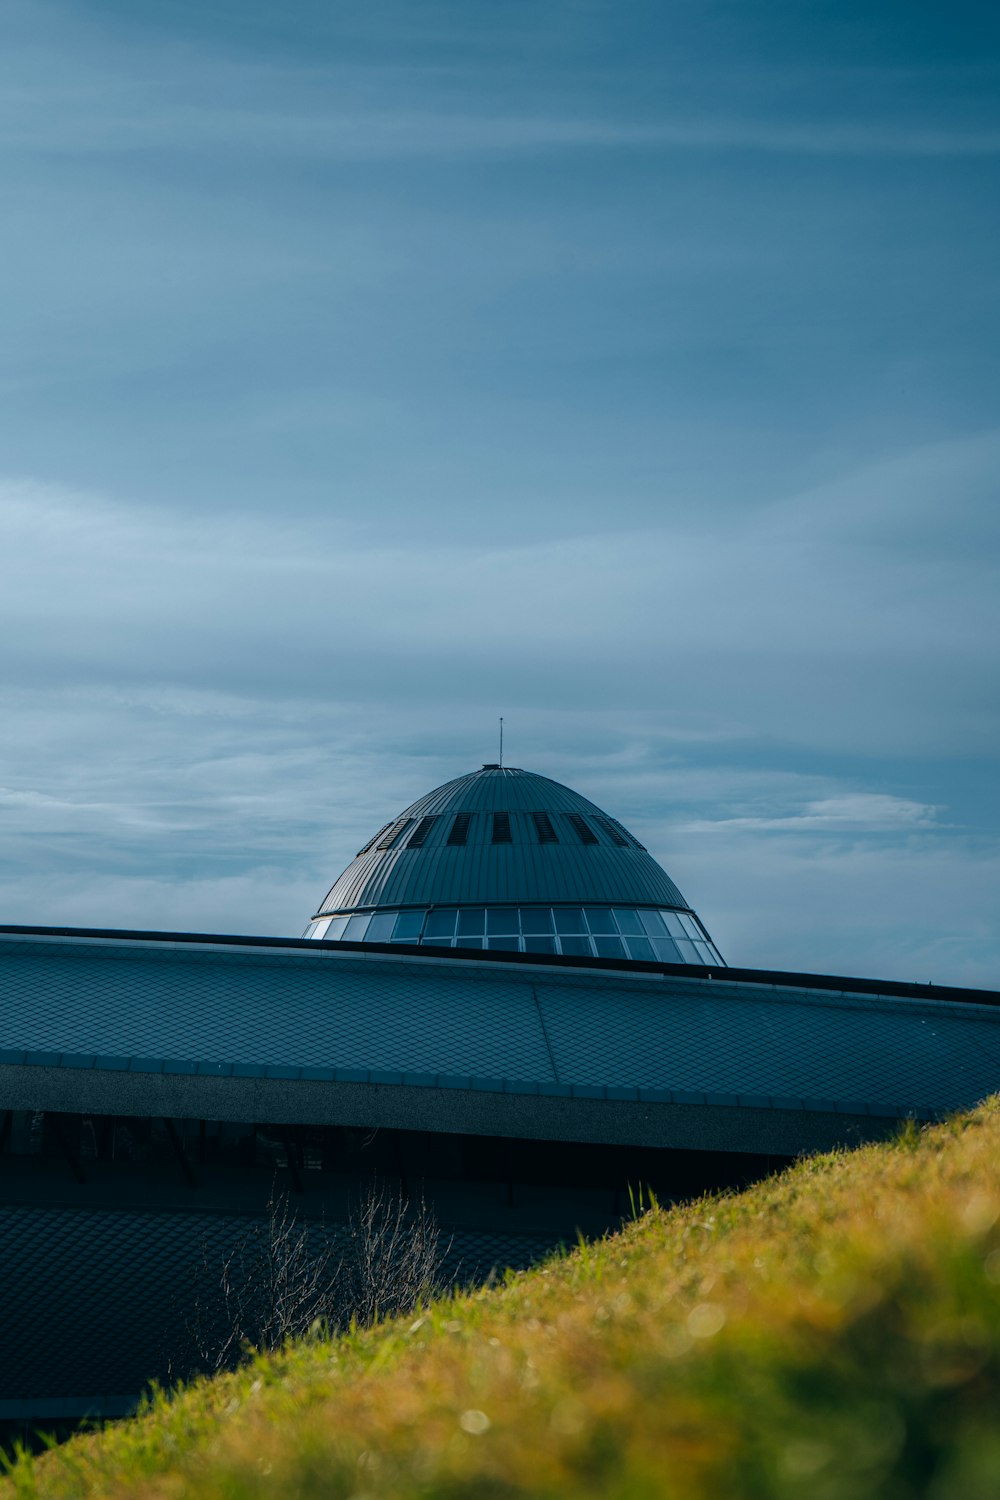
126 1231
158 1091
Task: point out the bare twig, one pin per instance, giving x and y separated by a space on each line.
283 1280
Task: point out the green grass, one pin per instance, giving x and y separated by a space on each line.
833 1333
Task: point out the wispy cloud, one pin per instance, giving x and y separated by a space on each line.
241 711
92 89
922 911
848 812
136 124
786 608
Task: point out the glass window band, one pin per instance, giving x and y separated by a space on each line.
638 933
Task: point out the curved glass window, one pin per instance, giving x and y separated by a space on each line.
502 919
610 947
569 919
642 933
408 927
440 924
540 945
379 929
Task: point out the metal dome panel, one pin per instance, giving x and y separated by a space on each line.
609 866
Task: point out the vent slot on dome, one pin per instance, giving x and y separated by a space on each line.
501 828
617 834
543 827
629 836
372 842
419 835
612 832
459 831
395 833
582 828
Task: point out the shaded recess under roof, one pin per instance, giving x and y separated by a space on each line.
503 836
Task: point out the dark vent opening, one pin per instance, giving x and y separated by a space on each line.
582 828
459 832
629 838
501 828
543 826
396 831
612 831
372 842
419 834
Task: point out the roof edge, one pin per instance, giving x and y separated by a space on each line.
779 978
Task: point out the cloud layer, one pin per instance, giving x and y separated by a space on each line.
231 708
629 373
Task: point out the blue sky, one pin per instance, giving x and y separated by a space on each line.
370 370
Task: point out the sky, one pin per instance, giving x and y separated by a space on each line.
369 370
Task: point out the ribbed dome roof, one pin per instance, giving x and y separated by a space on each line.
502 835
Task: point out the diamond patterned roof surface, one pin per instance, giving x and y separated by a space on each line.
313 1011
120 1288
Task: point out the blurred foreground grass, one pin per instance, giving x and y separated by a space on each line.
831 1333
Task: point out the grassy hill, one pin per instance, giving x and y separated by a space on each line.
832 1333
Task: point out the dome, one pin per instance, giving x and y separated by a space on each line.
505 858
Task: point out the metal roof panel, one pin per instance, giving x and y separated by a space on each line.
210 1009
526 870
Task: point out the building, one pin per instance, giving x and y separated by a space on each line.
507 861
503 1004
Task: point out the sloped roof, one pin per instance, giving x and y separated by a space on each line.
392 871
132 1008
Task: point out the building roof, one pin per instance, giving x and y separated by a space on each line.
500 835
213 1028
